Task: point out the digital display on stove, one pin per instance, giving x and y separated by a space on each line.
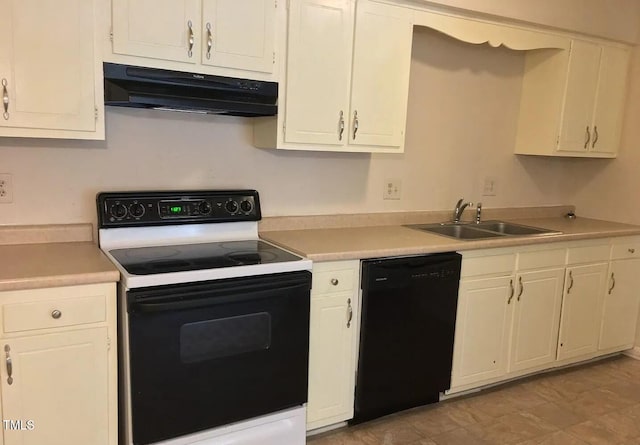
175 209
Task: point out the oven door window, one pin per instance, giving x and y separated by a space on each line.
208 354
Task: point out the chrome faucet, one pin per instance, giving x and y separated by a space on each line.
457 212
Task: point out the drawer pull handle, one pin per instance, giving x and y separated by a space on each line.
56 314
512 291
5 99
334 281
588 135
613 283
349 313
209 40
521 287
7 353
632 250
190 39
570 283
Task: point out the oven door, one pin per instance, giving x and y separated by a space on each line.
207 354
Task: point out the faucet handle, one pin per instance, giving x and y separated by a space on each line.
478 212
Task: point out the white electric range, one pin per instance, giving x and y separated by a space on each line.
213 321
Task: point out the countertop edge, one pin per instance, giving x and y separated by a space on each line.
60 280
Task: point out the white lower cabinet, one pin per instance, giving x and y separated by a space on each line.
482 330
536 307
534 337
333 337
59 383
581 310
622 297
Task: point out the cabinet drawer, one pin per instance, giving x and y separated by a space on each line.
487 265
626 249
541 259
334 277
42 314
588 254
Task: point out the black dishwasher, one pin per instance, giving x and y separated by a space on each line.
407 329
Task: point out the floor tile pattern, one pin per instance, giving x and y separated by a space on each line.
593 404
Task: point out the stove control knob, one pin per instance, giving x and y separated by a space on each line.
246 206
204 208
231 206
136 210
118 211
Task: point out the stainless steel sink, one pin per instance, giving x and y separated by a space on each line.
506 228
483 230
458 231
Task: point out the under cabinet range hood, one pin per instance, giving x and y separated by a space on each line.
139 87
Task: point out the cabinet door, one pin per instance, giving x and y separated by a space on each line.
60 383
485 311
581 310
159 29
238 34
318 71
536 317
576 132
47 64
610 100
621 304
332 342
380 81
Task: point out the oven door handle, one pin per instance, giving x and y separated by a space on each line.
186 300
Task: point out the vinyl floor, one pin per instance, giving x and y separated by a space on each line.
593 404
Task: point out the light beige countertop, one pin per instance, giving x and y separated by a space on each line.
394 240
50 256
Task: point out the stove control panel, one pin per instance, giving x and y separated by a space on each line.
132 209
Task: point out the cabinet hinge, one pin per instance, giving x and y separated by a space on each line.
275 2
95 112
284 128
108 343
111 34
274 57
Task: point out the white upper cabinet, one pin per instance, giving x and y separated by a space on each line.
319 53
238 34
159 29
347 78
50 74
224 37
380 75
573 101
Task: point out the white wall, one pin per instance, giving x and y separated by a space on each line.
461 127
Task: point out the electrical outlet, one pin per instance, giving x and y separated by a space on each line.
490 187
6 188
392 189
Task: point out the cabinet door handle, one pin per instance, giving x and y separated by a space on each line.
631 250
613 283
349 313
209 40
588 135
595 136
570 283
521 288
5 99
191 39
356 124
7 353
512 292
341 125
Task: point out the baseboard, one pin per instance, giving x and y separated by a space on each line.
633 352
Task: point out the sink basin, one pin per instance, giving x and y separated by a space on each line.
513 229
458 231
487 229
